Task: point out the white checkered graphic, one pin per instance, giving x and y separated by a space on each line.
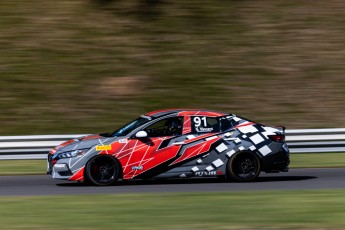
209 168
265 150
190 137
221 148
194 169
256 139
217 163
247 129
237 119
210 138
230 153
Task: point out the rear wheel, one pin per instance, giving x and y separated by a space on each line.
102 170
244 166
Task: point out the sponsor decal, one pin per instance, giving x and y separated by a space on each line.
201 125
123 141
210 173
139 167
202 129
103 147
61 167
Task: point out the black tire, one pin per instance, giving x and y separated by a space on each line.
102 170
244 166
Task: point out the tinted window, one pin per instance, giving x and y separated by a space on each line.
130 127
167 127
205 124
227 123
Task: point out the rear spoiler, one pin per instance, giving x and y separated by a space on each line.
281 128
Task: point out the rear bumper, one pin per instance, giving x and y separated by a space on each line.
277 162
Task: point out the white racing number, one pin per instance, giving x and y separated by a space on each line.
198 120
201 125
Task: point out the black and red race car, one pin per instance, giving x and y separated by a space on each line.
176 143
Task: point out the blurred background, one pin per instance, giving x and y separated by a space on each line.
88 66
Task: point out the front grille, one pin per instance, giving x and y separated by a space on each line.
65 173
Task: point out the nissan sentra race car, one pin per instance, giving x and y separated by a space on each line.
176 143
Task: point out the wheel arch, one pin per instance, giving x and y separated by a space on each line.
260 158
110 157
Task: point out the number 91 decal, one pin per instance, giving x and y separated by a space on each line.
200 125
198 120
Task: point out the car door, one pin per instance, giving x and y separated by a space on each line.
202 132
162 144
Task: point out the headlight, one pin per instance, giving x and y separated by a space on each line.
73 153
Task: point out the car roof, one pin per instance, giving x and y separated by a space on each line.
186 112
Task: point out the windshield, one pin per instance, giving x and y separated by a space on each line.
130 126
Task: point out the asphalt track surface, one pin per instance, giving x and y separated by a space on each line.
295 179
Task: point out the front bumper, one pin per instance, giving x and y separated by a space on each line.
49 164
58 169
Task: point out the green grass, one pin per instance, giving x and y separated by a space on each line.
322 209
88 66
310 160
22 167
317 160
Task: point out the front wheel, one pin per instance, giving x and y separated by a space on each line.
102 170
244 166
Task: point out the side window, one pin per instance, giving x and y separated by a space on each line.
226 123
167 127
204 124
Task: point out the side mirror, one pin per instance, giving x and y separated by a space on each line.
141 134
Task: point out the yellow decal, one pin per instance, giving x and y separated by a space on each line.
103 147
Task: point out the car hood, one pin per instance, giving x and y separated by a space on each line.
82 143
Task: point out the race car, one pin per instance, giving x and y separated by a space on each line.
175 143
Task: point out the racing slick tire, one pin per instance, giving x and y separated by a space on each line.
102 170
244 166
